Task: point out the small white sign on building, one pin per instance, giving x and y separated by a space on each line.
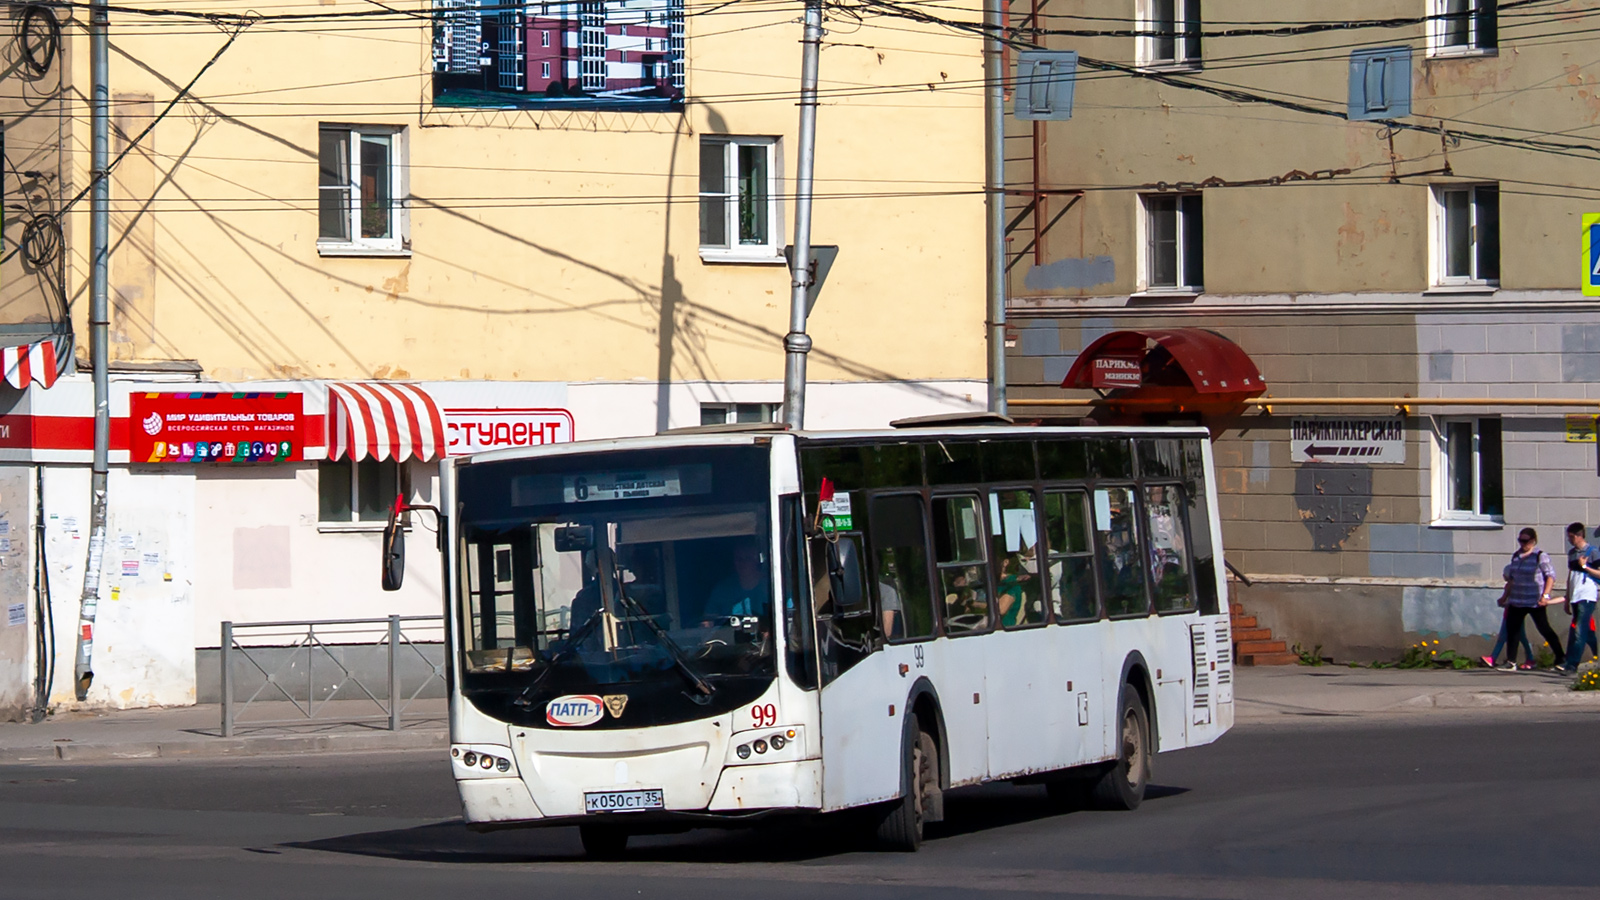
1347 440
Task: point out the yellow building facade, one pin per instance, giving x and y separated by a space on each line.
545 220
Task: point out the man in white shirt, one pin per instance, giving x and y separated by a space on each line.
1583 589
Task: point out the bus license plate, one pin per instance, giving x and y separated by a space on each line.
623 801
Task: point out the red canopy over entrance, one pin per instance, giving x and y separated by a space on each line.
1167 370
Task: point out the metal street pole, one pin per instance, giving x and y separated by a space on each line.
99 249
796 344
994 164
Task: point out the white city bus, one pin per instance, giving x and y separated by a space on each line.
712 626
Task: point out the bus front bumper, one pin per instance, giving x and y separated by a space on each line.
794 785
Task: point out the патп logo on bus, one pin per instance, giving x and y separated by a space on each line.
574 710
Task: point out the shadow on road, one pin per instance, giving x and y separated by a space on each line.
967 811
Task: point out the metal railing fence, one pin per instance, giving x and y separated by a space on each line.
271 653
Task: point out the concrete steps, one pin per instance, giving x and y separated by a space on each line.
1254 645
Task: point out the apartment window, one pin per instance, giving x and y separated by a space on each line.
350 491
1463 26
1170 33
360 183
1471 483
544 70
1173 245
622 56
544 38
738 202
733 413
1466 227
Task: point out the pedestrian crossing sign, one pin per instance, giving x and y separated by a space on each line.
1591 254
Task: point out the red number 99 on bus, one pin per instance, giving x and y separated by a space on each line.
764 714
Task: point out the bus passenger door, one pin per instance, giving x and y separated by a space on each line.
1075 640
858 762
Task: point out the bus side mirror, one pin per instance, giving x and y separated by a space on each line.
394 548
844 575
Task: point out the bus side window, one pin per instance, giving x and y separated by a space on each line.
1014 547
1116 533
1071 568
900 565
963 570
1198 513
1169 547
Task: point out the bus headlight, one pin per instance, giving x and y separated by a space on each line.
469 759
503 765
743 751
778 741
759 746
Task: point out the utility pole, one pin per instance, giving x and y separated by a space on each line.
994 164
796 344
99 251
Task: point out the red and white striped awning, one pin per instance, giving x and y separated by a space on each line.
383 420
30 363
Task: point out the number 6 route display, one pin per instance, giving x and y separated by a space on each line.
654 634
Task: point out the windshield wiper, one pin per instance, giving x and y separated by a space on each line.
673 650
574 640
679 660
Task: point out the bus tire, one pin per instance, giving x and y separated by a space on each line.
603 841
1122 786
901 824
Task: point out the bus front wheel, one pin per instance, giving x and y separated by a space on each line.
1122 786
902 823
603 841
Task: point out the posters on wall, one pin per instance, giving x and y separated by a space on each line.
614 55
1328 439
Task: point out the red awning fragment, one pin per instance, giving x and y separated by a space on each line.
1194 358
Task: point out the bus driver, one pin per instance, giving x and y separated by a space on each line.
744 592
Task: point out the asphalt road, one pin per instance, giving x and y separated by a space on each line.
1480 807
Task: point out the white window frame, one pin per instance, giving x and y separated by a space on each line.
1146 25
355 522
1444 515
1438 32
769 253
544 69
399 241
1146 259
1439 240
770 412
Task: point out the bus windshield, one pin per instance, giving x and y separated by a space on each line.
638 573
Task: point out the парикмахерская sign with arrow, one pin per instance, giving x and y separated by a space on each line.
1345 440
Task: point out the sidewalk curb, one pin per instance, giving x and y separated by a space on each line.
1484 699
225 747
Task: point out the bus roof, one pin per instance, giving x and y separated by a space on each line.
733 435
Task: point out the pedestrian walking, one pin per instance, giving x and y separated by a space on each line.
1500 642
1529 578
1583 589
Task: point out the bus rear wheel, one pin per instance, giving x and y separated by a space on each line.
1122 786
603 841
902 823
